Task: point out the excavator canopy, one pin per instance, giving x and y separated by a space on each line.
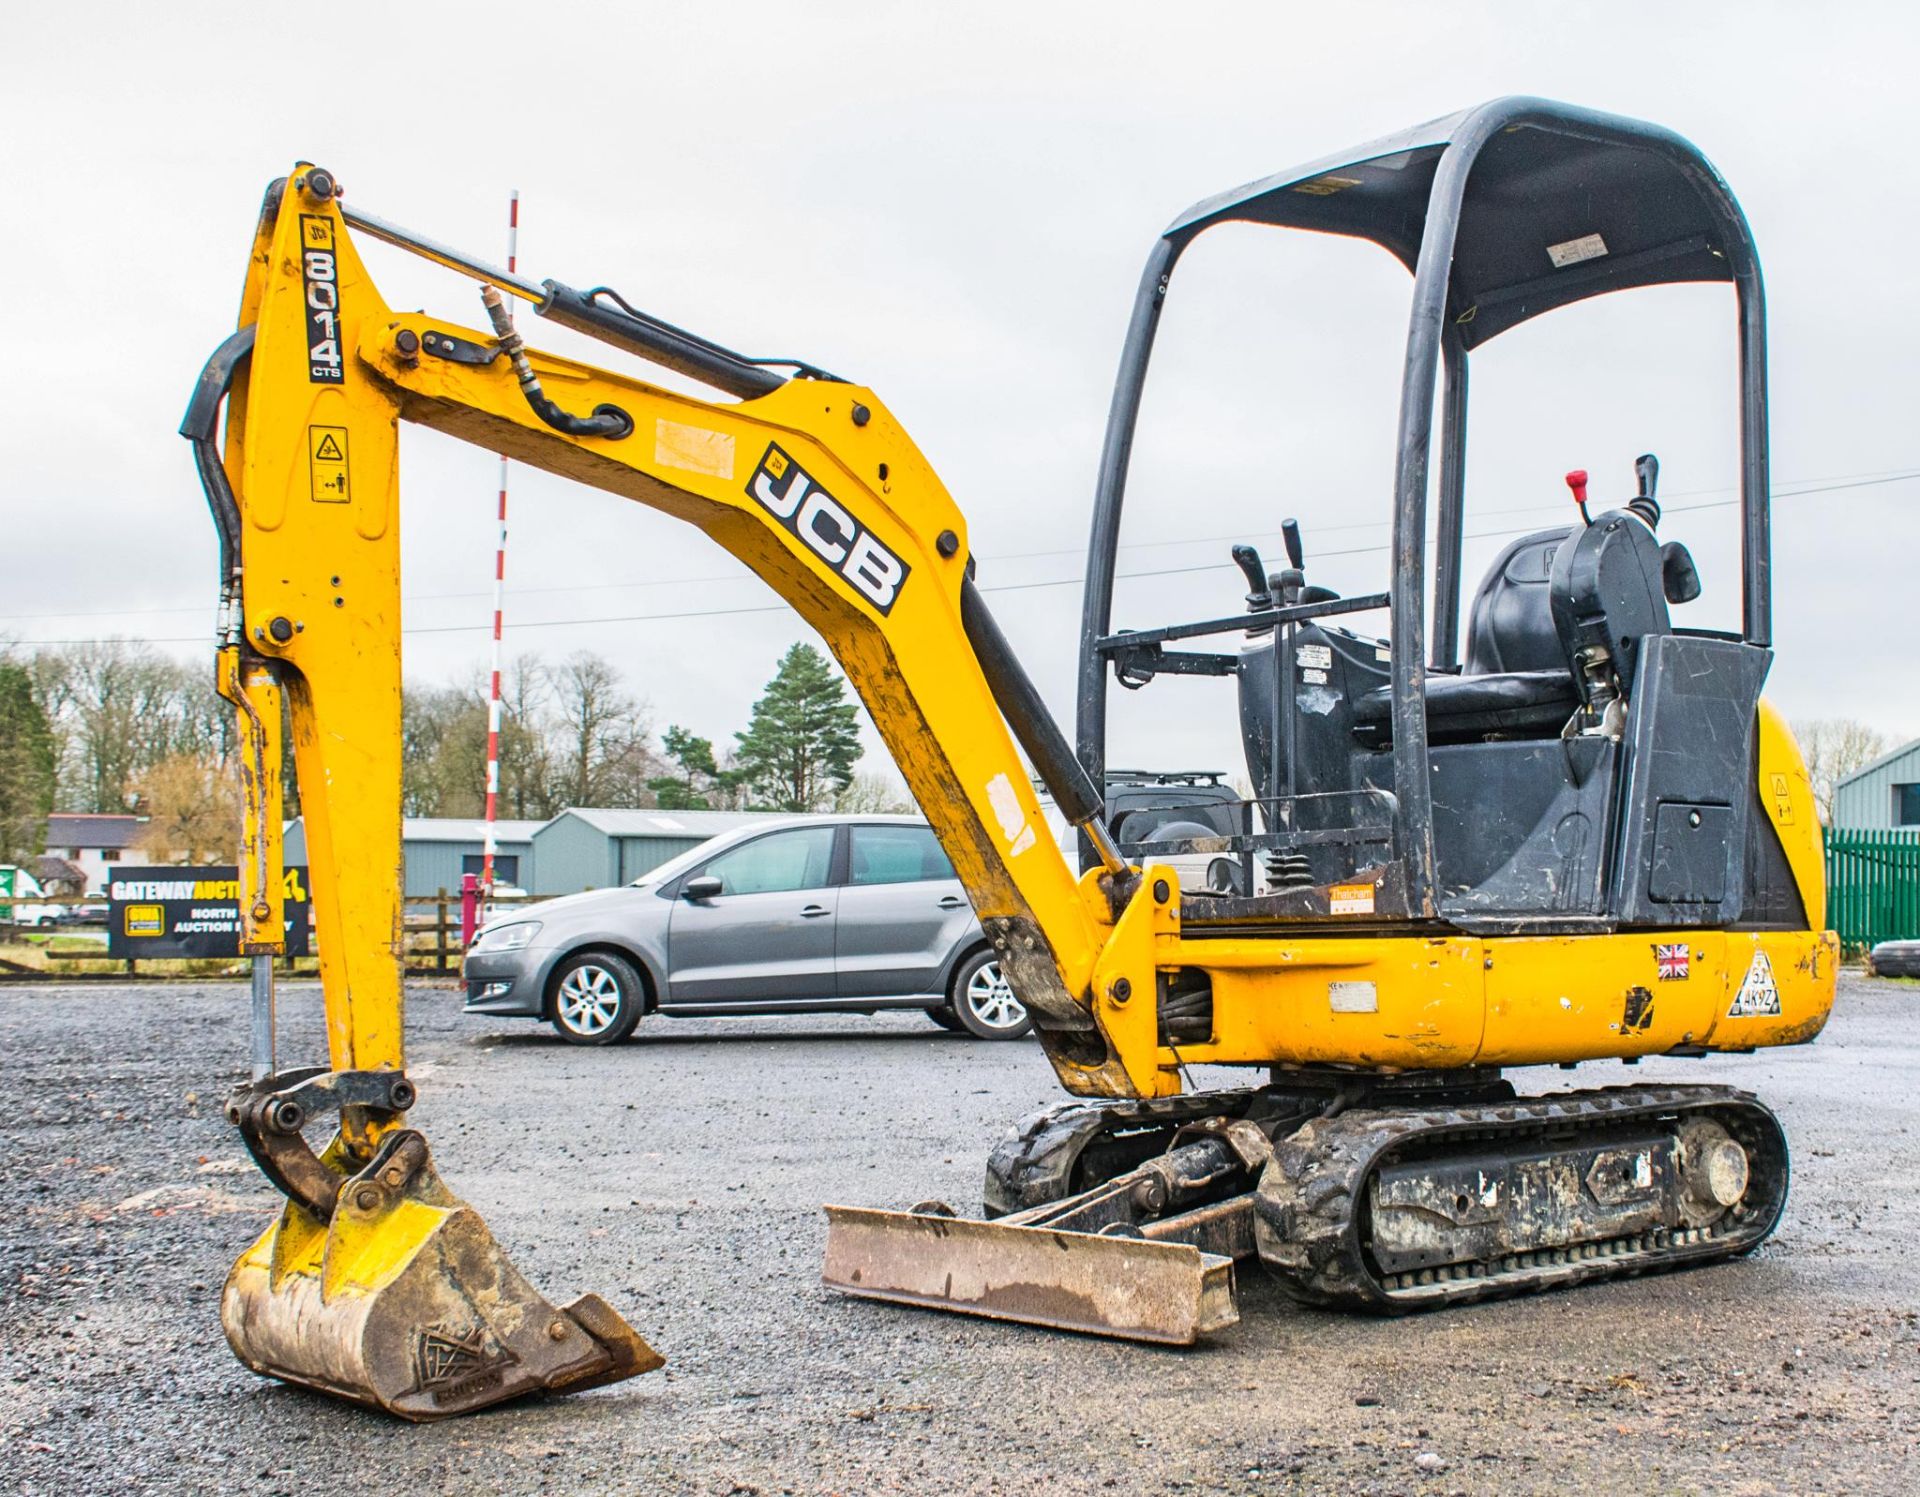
1561 204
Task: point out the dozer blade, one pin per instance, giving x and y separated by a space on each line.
1127 1287
403 1301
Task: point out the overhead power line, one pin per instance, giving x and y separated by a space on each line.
1009 587
1786 490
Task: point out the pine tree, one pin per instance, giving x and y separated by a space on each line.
700 778
27 765
798 751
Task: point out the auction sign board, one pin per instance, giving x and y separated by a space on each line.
161 913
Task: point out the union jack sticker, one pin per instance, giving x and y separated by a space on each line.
1672 961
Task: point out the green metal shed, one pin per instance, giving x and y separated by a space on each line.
593 848
1881 795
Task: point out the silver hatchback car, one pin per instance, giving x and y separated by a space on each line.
830 914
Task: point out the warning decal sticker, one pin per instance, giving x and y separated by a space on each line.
1758 995
327 463
1782 800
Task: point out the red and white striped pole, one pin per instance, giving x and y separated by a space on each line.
491 844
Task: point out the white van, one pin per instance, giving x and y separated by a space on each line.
18 891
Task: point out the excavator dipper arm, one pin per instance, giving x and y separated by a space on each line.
376 1283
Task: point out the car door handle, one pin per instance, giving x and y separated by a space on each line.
807 912
950 903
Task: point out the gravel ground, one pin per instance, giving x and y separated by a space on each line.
681 1176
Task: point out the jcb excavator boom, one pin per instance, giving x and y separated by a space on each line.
377 1284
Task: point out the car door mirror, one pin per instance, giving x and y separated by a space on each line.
704 887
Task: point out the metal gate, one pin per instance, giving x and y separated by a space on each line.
1873 886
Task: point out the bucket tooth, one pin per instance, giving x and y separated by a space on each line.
404 1302
1127 1287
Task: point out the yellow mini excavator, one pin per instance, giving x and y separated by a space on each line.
1583 836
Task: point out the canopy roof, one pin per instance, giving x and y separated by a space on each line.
1559 204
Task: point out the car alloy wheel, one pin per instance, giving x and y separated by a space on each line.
985 1003
596 999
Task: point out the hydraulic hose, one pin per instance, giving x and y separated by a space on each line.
199 427
606 421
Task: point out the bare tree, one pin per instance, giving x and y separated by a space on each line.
1834 747
117 708
438 762
526 756
874 793
602 736
444 746
192 806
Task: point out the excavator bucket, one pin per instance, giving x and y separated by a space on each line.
1126 1287
404 1302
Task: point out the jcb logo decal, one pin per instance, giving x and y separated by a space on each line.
829 531
322 279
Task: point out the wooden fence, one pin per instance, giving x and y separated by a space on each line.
431 929
1873 886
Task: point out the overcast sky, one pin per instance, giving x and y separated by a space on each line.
952 205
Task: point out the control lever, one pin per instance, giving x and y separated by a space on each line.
1294 579
1577 481
1290 537
1646 468
1259 595
1679 579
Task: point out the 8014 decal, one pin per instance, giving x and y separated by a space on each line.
788 492
320 275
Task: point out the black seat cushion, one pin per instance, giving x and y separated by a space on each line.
1510 626
1466 707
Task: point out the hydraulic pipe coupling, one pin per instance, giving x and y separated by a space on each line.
607 421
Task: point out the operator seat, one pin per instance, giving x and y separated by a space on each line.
1517 679
1510 625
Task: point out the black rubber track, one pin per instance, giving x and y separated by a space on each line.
1311 1203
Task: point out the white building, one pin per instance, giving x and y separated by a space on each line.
94 843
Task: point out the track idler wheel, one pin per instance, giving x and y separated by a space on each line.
404 1302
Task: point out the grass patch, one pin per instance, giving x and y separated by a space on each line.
47 953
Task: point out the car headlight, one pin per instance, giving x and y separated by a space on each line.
506 937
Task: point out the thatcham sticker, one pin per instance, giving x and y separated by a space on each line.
788 492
